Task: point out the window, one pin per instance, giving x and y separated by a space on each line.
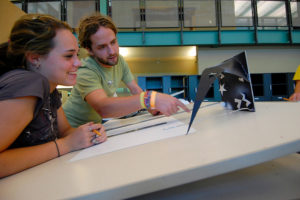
236 13
295 10
126 13
161 13
199 13
78 9
271 13
17 3
46 7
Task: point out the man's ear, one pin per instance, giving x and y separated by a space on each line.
90 51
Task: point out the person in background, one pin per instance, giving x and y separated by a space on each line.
94 95
41 53
296 95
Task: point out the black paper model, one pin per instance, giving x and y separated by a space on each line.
234 85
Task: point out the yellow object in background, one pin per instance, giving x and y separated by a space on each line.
64 95
9 14
297 74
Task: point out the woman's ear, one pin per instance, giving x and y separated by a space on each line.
33 59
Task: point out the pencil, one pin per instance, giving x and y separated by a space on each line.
285 99
97 132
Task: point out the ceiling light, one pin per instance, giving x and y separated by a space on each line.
123 51
192 51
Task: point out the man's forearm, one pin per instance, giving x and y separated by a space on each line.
136 91
118 106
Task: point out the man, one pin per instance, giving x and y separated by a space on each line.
93 97
296 95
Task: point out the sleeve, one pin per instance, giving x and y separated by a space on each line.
297 74
23 83
87 81
127 75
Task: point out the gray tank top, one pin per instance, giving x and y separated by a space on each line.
43 128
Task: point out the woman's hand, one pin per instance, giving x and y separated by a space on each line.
85 136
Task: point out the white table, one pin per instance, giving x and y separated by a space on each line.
275 180
225 141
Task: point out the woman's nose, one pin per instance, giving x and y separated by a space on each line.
77 62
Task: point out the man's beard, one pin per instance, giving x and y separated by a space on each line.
102 61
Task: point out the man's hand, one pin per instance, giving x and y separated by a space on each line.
154 112
168 105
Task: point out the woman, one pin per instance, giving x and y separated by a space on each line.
41 54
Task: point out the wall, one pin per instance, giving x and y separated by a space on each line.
151 61
161 60
174 61
261 59
9 13
162 66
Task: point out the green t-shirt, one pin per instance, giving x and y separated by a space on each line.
92 76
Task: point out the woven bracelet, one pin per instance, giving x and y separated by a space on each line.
152 99
58 153
147 98
142 100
